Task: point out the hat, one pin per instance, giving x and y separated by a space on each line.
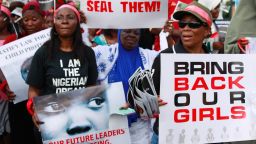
197 10
17 11
6 11
70 7
33 5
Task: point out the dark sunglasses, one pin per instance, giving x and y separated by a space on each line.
192 25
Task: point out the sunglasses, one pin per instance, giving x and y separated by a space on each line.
193 25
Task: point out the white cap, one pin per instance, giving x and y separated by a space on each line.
17 11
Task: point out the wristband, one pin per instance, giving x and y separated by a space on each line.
30 106
3 84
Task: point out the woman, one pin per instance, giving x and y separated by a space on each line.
20 120
195 22
6 29
6 26
59 57
116 63
32 20
108 37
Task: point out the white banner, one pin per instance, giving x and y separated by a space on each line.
211 98
16 58
89 116
125 14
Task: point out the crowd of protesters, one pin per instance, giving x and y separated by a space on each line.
106 55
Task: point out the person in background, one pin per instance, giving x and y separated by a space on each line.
6 29
117 63
242 25
107 37
194 28
213 42
51 62
6 26
20 121
17 14
48 19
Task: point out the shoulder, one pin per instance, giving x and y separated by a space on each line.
148 53
168 50
105 48
104 51
42 51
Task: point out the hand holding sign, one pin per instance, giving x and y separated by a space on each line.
142 95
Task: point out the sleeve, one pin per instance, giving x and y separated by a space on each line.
231 46
92 69
36 74
156 76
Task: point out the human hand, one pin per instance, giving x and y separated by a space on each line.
36 121
31 111
10 94
161 102
218 45
168 27
242 43
125 106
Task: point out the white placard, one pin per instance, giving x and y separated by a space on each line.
193 114
125 14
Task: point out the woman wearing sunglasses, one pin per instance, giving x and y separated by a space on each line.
195 22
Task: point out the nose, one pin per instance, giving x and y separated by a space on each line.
64 20
30 22
79 127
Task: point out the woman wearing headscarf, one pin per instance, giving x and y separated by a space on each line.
213 42
6 29
116 63
32 20
20 120
6 26
195 23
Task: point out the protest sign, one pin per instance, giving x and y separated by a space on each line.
88 115
250 48
16 58
211 98
125 14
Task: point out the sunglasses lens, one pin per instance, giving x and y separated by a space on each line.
182 24
192 25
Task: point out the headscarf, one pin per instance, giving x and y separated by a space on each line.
33 5
6 11
128 61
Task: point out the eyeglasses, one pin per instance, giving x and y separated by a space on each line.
193 25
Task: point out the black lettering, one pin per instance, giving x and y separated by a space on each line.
181 104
